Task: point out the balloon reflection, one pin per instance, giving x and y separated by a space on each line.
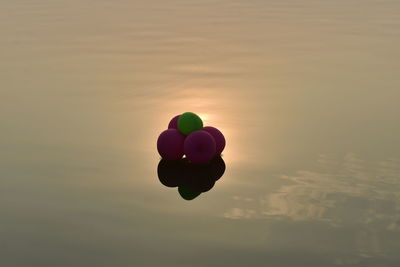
191 179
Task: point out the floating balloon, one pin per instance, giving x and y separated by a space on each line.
170 144
202 167
199 147
218 137
189 122
173 124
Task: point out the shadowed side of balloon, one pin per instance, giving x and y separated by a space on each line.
191 179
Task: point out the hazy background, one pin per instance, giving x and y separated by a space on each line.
306 92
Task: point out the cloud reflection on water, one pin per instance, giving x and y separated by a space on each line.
333 192
350 193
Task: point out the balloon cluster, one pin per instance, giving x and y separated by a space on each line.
187 136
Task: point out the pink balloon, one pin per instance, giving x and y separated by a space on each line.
218 137
199 147
173 124
170 144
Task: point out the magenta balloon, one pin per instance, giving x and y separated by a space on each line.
218 137
199 147
170 144
173 124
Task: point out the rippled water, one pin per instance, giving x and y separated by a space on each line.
305 91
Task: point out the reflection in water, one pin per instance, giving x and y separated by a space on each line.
339 192
191 179
336 194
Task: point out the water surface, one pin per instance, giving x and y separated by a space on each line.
306 93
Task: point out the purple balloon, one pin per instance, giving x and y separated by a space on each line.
170 144
173 124
218 137
199 147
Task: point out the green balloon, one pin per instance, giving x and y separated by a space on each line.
189 122
187 194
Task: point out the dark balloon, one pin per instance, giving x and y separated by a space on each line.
170 144
173 124
218 137
199 147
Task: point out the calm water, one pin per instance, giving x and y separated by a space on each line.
306 92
